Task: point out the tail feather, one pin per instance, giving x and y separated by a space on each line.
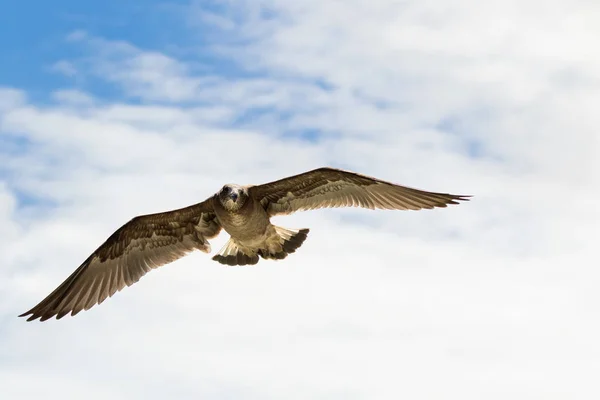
232 254
292 240
278 247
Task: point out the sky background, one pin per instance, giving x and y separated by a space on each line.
114 109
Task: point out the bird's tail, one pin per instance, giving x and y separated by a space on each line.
232 254
291 240
277 248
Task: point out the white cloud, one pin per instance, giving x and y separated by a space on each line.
11 97
141 74
73 97
77 36
491 299
503 67
64 67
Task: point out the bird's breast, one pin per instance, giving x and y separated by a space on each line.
238 219
246 224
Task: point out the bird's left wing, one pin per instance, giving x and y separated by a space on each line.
142 244
329 187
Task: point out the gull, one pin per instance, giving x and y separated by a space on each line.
150 241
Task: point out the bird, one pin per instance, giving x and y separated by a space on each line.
150 241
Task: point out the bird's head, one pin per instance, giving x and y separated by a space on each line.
233 197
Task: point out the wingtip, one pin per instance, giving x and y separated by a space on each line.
26 313
455 199
31 316
463 197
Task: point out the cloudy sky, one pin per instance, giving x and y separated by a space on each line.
113 109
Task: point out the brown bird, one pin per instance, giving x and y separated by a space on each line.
150 241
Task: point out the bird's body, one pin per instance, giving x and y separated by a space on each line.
252 234
247 222
244 212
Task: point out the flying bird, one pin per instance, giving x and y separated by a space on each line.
149 241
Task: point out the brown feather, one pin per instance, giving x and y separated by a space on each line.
330 187
142 244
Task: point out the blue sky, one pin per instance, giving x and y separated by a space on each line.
110 110
33 42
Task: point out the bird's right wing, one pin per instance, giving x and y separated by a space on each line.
142 244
